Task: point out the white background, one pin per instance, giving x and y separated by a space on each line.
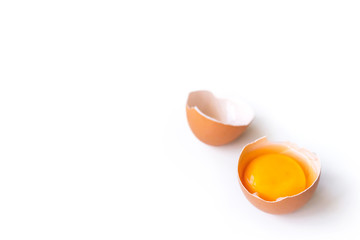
94 142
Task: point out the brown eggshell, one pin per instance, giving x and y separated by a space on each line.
216 121
308 161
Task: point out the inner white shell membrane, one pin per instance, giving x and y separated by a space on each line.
221 110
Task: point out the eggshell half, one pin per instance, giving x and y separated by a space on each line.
308 161
216 121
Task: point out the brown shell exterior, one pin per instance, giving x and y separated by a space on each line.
209 131
284 206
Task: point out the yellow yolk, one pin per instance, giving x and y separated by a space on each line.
274 175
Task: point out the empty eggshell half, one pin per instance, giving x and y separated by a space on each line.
307 160
216 121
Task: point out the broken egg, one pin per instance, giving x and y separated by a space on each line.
278 178
216 121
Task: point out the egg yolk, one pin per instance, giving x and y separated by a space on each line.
272 176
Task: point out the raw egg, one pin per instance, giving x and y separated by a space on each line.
216 121
277 177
